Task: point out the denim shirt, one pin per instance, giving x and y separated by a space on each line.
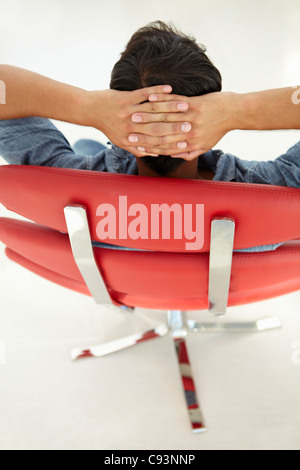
37 141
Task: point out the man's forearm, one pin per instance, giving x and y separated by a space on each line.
30 94
214 114
267 110
110 111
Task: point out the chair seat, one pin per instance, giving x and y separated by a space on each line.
132 277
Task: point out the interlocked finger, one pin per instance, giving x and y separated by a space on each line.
186 149
138 96
162 129
162 107
159 142
164 97
147 118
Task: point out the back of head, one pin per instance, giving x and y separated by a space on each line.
159 54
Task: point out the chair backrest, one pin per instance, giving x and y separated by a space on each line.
263 214
169 218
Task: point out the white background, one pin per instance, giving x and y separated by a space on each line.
249 386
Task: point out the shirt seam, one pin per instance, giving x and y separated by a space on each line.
251 173
89 162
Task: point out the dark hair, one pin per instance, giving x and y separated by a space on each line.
159 54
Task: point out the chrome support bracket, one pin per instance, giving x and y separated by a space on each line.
81 244
220 262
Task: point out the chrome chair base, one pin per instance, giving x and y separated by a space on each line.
179 326
119 344
257 326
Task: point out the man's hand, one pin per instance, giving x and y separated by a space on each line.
212 115
115 113
150 121
208 117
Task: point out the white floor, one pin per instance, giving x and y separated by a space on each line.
248 384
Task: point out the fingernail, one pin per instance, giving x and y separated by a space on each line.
182 145
167 89
136 118
133 138
152 98
141 149
182 106
186 127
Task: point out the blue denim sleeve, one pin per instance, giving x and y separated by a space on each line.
37 141
283 171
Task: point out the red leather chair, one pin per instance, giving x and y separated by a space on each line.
187 261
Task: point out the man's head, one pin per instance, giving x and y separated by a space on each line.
159 54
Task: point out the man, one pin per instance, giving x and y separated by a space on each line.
160 124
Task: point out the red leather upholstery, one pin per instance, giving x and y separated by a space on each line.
46 273
168 277
152 279
263 214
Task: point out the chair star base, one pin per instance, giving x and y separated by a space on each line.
179 326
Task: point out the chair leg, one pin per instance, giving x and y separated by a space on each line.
119 344
264 324
177 323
